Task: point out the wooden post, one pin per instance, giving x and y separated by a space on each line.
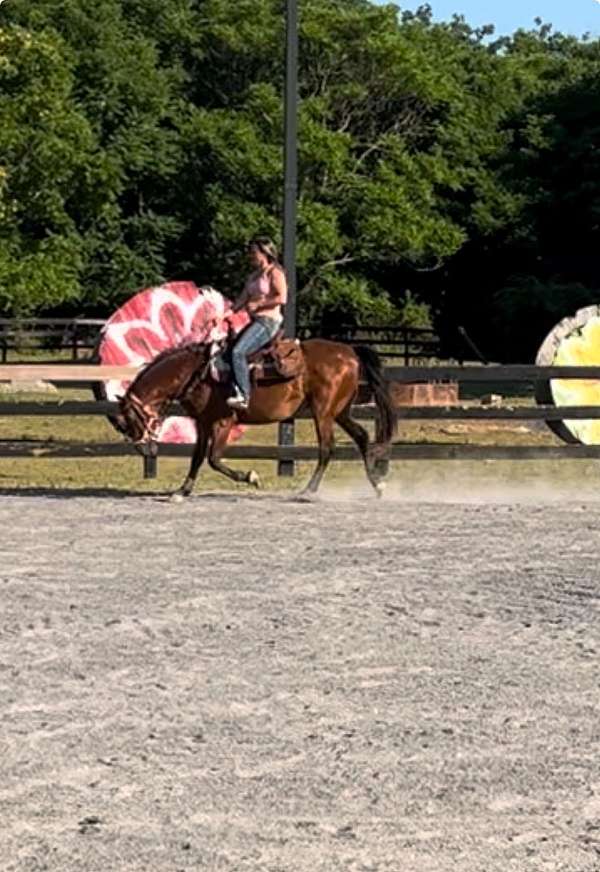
150 460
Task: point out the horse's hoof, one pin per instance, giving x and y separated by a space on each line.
176 498
253 478
380 489
306 496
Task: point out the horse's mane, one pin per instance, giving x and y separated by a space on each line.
187 347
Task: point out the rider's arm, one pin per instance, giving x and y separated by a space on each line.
241 301
277 295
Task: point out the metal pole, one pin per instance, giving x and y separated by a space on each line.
286 428
291 163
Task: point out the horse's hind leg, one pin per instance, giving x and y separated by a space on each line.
324 425
361 437
220 434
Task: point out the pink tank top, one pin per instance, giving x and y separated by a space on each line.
259 287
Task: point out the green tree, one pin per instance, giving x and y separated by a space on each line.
46 148
372 100
121 84
538 262
431 157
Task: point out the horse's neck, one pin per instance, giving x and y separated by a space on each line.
168 376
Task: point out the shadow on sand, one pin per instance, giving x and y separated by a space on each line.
63 493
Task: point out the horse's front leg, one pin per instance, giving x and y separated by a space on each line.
218 443
197 459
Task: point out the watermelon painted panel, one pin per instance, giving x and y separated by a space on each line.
159 318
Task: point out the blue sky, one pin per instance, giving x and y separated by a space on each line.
568 16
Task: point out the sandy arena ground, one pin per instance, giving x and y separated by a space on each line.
248 683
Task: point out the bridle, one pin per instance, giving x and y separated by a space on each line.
150 420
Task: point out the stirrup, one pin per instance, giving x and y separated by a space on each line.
237 401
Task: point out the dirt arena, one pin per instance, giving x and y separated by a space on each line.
248 683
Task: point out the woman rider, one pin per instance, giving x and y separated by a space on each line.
265 292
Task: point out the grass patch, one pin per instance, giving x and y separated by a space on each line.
125 474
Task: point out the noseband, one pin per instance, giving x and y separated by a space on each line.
151 422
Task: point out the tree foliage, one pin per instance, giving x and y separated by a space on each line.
46 146
439 170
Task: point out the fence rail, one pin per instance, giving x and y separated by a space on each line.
99 408
88 375
67 372
399 451
492 373
407 343
64 373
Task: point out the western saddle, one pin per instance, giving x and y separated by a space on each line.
281 360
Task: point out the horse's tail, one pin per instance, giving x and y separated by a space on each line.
387 419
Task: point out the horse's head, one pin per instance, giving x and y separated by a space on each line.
138 421
163 381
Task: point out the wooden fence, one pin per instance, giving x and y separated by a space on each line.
408 344
78 375
80 336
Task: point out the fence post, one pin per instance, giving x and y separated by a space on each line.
150 452
286 437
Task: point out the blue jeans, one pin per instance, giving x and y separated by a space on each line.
259 333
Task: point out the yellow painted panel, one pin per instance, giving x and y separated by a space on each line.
581 348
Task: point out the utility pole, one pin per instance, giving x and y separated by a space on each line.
286 428
291 162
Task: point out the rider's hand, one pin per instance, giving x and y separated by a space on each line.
227 323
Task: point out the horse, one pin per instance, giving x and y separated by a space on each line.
328 384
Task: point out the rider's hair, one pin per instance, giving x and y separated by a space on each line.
266 246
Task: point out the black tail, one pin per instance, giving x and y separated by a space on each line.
371 364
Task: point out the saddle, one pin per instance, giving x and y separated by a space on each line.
282 360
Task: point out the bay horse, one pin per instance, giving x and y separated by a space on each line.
327 384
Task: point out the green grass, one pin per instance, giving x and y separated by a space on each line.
125 473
